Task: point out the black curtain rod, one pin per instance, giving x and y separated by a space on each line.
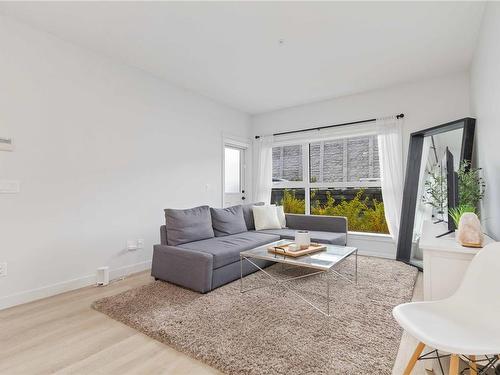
401 115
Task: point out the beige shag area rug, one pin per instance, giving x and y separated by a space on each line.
270 330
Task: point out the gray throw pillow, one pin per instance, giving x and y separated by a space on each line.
226 221
189 225
248 214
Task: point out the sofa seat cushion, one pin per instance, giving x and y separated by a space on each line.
316 236
226 250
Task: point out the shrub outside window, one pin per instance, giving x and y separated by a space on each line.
342 178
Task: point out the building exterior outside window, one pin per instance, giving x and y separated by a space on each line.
332 177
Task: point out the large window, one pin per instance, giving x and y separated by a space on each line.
287 163
339 177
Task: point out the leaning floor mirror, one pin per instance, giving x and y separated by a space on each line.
430 188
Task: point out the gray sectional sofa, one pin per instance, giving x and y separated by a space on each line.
200 247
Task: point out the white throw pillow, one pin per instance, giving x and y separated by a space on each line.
266 217
280 210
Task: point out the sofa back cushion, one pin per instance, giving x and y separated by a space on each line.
226 221
336 224
189 225
248 214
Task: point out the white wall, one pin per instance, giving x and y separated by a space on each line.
425 104
100 150
485 98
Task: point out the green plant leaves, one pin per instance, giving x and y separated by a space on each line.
457 212
360 216
471 185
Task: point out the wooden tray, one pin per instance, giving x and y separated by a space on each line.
283 250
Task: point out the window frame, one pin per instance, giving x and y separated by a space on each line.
306 183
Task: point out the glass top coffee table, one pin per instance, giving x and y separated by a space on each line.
320 262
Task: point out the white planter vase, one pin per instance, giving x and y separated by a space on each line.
303 238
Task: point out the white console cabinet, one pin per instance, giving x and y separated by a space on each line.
445 261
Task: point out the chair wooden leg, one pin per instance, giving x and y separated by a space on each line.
414 358
472 365
454 362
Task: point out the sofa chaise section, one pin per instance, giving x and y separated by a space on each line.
316 236
323 229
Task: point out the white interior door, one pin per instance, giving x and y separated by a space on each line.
234 175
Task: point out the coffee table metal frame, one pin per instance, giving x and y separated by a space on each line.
283 259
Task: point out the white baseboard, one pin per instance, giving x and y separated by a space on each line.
127 270
368 244
375 245
66 286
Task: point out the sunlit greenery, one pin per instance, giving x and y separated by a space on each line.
362 214
470 185
291 204
457 212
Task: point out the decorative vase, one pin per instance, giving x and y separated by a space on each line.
303 239
469 231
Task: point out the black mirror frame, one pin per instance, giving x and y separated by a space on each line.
413 172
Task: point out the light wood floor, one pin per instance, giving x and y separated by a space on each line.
63 335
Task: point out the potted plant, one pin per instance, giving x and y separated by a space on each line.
471 188
457 212
471 185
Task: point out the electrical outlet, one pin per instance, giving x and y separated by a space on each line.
3 269
6 144
140 244
9 187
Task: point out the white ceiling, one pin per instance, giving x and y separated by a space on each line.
229 51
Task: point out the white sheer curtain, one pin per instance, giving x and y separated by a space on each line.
390 152
263 162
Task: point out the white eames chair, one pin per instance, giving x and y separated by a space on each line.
467 323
